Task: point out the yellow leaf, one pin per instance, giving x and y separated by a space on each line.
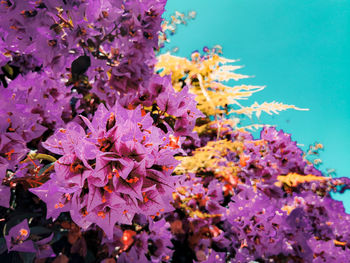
294 179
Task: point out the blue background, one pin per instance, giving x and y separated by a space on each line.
299 49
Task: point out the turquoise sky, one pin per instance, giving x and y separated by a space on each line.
299 49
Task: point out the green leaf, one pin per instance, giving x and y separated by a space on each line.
27 257
40 230
3 246
8 70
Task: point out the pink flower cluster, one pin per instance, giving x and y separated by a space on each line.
119 166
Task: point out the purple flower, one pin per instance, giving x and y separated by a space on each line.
5 195
160 239
44 250
122 166
17 238
12 148
56 197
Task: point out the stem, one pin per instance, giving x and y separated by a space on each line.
42 156
68 23
206 95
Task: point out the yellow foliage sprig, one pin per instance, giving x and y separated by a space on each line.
209 158
294 179
268 107
207 77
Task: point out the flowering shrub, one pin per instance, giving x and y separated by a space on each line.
109 153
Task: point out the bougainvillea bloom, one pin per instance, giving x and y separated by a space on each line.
16 240
119 167
92 132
